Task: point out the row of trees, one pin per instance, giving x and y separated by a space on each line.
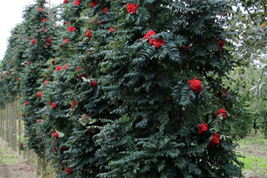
127 89
248 31
249 82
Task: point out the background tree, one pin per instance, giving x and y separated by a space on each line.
248 32
241 80
71 103
248 29
250 81
11 65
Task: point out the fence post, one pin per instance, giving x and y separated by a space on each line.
34 160
12 131
44 164
9 124
15 124
6 137
20 127
1 122
49 171
39 170
12 125
3 125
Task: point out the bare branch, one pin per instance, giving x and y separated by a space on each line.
251 16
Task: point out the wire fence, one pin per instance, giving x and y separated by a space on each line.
12 132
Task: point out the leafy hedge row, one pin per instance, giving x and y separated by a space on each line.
125 88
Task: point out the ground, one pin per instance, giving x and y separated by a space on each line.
254 150
13 165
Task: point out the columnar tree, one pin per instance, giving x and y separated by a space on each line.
67 114
11 65
163 67
37 39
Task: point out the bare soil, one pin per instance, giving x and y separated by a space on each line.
255 150
248 174
13 165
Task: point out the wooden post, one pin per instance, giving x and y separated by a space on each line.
12 126
9 124
10 118
20 126
6 139
25 153
28 157
44 167
1 123
49 171
15 124
38 166
4 124
33 160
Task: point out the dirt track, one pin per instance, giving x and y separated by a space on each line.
255 150
12 165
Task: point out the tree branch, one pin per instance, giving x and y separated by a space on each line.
261 78
264 7
251 16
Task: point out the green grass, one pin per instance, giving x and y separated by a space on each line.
254 162
254 139
255 165
8 159
2 150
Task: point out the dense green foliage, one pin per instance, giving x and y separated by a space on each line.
250 82
240 81
105 99
248 28
248 31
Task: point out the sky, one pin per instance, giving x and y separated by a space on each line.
10 15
